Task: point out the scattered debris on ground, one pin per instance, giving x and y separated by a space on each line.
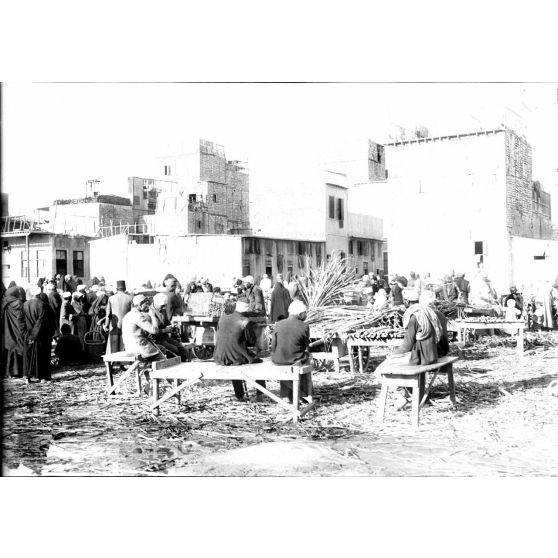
505 423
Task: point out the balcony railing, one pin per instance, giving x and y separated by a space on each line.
126 228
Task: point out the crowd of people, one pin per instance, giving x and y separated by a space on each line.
60 314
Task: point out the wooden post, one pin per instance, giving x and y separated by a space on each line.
451 383
351 363
416 401
382 402
109 375
360 368
296 396
155 388
520 335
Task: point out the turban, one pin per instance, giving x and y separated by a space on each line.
248 279
138 299
297 307
242 306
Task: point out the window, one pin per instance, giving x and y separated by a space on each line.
331 207
61 262
365 267
78 263
340 210
478 249
41 263
279 263
167 170
290 268
144 190
300 249
192 198
351 247
214 198
199 225
24 264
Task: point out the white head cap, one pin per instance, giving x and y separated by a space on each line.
67 294
248 279
242 306
426 297
297 307
138 299
159 300
34 291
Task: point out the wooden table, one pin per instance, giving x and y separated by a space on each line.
413 376
186 374
463 325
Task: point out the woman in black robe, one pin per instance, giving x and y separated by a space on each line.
48 332
280 301
14 331
36 356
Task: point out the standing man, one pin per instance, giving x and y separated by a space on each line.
463 288
234 334
280 301
291 339
175 306
255 297
119 304
55 301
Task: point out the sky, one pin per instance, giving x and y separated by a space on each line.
56 136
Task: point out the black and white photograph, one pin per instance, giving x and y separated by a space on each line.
324 279
279 279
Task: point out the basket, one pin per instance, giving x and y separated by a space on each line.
94 343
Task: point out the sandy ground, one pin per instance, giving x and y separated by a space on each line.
505 423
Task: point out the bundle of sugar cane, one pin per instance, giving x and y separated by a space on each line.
330 321
327 284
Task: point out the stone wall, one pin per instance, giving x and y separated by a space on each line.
523 217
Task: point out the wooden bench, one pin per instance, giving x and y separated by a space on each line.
413 376
133 363
186 374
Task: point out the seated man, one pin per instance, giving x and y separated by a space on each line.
291 339
426 333
137 330
426 338
68 348
159 318
235 333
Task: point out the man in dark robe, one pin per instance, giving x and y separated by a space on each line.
235 333
36 358
14 331
55 302
280 301
118 305
255 297
463 288
291 339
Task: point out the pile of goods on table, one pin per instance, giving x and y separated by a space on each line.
209 304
